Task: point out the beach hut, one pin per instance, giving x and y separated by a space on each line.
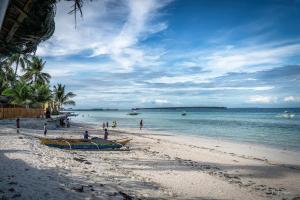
26 23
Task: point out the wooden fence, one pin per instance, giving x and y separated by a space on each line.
8 113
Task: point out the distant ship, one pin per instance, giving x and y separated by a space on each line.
133 113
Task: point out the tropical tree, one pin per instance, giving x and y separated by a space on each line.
18 59
61 97
21 93
34 72
41 94
6 75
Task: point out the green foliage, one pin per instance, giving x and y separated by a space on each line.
34 72
21 93
32 87
41 93
61 97
18 60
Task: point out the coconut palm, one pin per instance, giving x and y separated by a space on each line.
41 94
18 59
6 75
61 97
21 93
34 72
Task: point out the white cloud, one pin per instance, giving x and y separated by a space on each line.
291 99
188 64
262 99
223 60
161 101
105 30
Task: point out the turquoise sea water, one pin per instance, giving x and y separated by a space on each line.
262 126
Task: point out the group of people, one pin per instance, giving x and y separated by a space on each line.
106 124
18 126
64 121
86 134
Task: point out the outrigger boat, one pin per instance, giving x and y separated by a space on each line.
81 144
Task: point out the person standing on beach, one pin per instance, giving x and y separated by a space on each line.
141 124
105 134
103 125
86 135
18 125
68 122
45 129
106 124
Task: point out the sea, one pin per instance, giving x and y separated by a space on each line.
276 127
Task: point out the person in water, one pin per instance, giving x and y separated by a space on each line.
18 125
114 124
105 134
68 122
106 124
141 124
86 135
45 129
103 125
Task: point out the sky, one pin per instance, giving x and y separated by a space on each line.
156 53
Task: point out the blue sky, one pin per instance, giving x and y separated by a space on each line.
133 53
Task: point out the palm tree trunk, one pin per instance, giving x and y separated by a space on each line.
17 65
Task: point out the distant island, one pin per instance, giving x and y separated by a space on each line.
181 108
93 109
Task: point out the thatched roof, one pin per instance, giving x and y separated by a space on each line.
25 24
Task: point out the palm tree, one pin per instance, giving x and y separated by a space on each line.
41 94
18 59
61 97
6 75
21 93
34 72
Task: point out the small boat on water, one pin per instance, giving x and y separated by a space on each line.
288 114
183 114
81 144
133 113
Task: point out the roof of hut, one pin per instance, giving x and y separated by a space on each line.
26 23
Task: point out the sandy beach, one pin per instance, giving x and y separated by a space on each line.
152 166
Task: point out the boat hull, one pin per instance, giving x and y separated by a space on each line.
79 144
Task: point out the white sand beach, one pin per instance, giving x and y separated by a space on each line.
153 166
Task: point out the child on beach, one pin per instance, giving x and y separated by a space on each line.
18 125
45 129
105 134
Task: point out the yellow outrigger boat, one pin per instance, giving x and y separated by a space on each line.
82 144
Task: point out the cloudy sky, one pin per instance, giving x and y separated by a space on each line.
136 53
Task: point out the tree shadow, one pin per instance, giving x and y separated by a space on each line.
21 180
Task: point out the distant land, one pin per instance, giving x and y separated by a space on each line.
175 108
92 109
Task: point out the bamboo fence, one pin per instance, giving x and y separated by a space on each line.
8 113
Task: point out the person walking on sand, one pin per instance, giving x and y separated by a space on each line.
18 125
45 129
105 134
141 124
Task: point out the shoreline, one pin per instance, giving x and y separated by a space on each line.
154 167
276 146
